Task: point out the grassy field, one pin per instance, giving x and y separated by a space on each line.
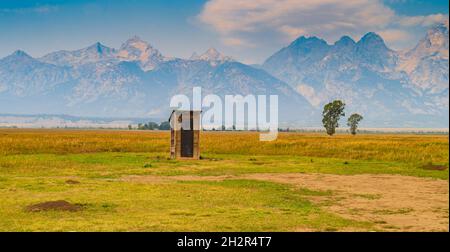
124 181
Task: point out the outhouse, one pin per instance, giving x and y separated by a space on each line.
185 134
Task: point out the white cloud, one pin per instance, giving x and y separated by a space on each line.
237 42
281 21
394 36
423 20
292 32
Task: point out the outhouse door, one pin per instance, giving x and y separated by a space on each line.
187 137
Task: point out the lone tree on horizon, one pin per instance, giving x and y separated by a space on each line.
332 112
353 122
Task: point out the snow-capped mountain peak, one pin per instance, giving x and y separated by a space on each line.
99 48
390 88
20 53
136 49
135 39
21 75
213 56
434 43
136 43
427 63
212 53
18 57
93 53
366 75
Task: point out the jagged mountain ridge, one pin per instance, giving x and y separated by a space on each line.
94 53
370 77
21 75
136 80
426 62
392 89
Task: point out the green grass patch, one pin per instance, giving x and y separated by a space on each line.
238 205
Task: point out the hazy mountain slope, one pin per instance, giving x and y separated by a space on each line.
370 77
22 75
228 78
399 89
94 53
427 64
100 81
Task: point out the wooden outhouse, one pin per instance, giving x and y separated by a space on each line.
185 134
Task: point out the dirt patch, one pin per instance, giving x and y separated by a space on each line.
146 179
392 202
203 178
72 182
168 179
59 205
433 167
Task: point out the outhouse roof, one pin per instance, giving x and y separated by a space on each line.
182 111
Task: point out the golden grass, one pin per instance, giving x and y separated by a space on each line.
402 148
35 166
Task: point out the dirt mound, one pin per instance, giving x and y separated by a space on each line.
72 182
434 167
59 205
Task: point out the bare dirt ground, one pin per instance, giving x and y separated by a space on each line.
168 179
391 202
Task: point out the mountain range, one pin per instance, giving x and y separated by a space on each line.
389 88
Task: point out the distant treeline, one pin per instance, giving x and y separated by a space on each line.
166 126
151 126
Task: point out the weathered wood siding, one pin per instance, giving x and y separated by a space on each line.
175 141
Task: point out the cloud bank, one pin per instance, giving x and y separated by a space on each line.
243 23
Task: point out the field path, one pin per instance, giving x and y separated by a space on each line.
392 202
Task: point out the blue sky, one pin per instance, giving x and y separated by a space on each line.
246 30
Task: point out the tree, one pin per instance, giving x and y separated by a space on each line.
152 126
148 126
332 112
353 122
130 127
164 126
